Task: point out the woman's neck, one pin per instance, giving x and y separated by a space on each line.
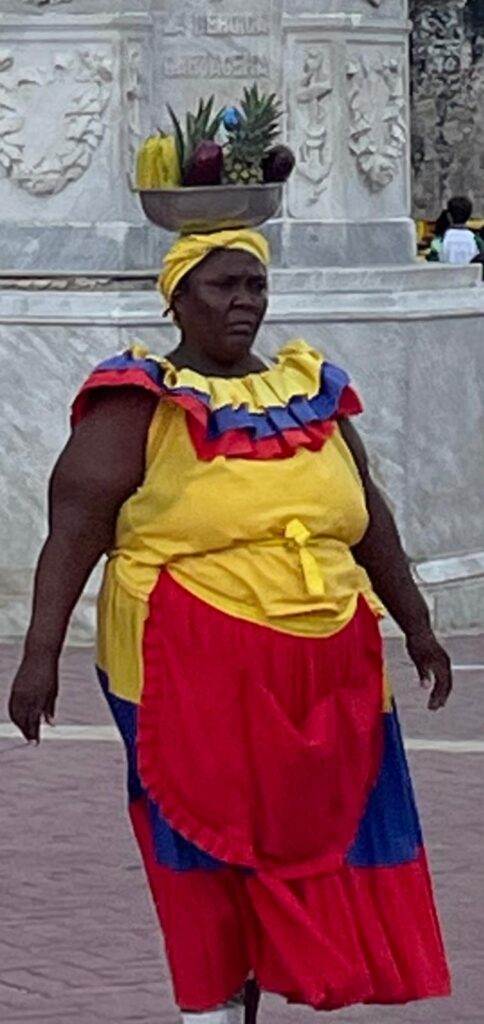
191 357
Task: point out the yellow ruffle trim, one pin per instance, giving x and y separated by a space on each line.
295 372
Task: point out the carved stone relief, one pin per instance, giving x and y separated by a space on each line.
201 43
134 93
43 154
314 158
217 47
377 131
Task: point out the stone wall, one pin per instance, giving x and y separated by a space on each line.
447 79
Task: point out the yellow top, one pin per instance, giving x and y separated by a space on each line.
264 540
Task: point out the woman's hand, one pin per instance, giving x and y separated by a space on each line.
33 696
432 664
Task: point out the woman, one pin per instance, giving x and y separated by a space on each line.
239 650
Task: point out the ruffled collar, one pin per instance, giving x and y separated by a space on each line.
296 371
293 404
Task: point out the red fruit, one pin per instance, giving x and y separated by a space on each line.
278 164
205 166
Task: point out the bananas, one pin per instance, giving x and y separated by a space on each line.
157 164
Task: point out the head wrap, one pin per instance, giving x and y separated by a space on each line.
189 250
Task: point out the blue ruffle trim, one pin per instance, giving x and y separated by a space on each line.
299 412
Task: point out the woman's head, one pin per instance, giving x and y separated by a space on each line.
216 286
220 304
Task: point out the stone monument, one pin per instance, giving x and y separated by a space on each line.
81 82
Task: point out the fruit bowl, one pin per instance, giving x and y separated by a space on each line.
203 209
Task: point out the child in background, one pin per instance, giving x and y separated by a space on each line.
459 243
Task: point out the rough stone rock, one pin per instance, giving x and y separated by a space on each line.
447 78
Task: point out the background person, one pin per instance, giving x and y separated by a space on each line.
459 243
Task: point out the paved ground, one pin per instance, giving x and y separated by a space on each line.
78 940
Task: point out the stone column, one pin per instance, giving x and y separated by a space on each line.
346 72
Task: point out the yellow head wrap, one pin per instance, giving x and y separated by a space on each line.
189 250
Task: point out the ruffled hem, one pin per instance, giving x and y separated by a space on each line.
264 415
254 817
356 936
366 936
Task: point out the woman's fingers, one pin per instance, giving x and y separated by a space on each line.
34 726
433 666
49 709
33 697
442 687
26 717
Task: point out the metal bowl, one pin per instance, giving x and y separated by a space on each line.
211 208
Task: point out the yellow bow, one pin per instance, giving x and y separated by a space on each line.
298 534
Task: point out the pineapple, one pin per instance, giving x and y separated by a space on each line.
200 128
250 137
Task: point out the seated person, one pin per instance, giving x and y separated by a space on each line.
459 244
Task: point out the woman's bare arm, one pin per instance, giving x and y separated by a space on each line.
381 554
101 466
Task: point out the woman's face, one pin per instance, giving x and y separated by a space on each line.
222 303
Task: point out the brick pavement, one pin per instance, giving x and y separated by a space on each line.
78 939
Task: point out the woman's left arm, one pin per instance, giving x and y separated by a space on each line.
381 554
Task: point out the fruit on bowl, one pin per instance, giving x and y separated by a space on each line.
278 164
200 157
157 164
205 166
233 146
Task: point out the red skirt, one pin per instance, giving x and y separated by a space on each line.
271 800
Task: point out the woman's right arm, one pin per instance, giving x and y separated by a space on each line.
101 466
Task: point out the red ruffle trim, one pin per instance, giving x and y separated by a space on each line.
107 379
237 443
